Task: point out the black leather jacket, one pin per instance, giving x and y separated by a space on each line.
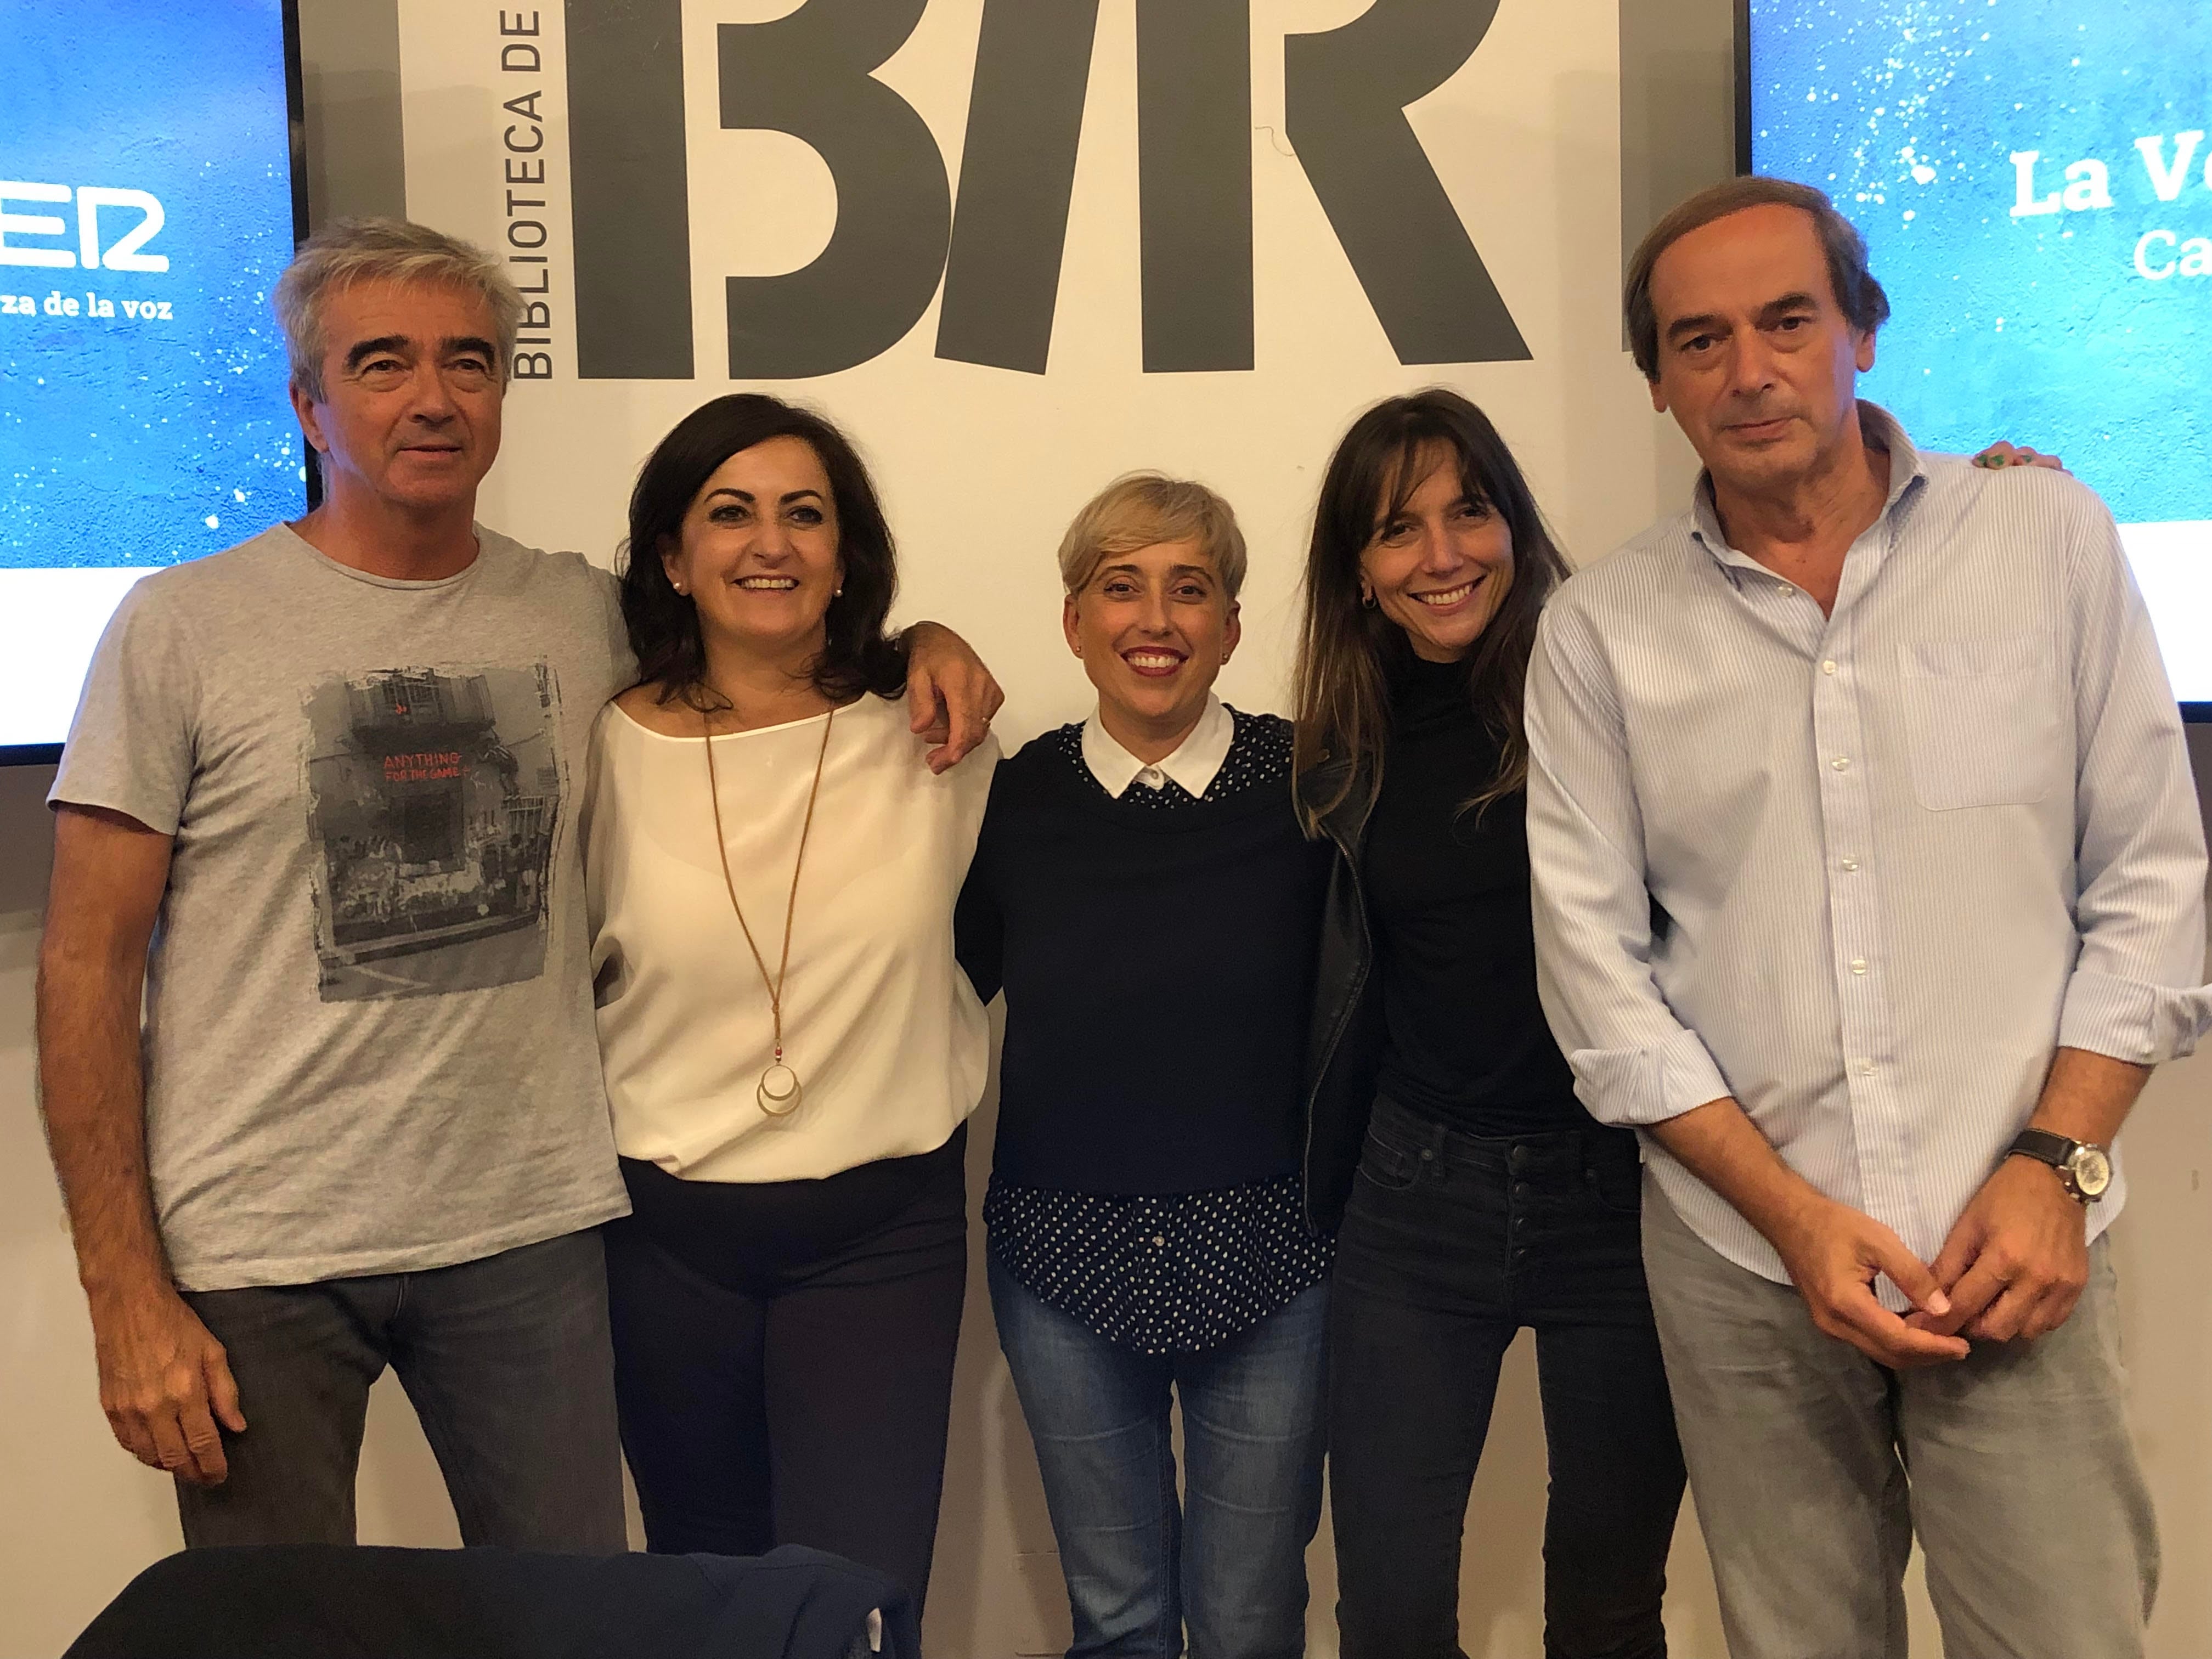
1345 1052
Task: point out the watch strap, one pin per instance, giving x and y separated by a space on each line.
2065 1158
2045 1146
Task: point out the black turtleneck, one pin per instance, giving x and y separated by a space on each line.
1467 1044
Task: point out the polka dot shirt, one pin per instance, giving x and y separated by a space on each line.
1259 752
1184 1272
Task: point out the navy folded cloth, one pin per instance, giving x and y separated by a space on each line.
328 1601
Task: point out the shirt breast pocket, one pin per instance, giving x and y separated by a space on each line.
1981 720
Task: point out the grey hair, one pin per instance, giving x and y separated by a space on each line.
350 251
1863 304
1143 509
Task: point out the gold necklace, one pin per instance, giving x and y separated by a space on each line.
778 1088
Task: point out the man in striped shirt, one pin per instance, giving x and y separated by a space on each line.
1864 841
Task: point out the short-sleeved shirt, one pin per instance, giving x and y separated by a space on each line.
369 1040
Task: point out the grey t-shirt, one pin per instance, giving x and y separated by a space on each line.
368 1037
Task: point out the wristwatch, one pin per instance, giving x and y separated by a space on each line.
2085 1170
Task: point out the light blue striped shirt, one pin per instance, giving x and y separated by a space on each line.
1863 871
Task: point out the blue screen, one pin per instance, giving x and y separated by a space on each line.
2033 178
145 213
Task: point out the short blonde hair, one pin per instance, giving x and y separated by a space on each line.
1143 509
349 251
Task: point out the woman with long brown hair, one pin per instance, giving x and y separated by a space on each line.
1475 1196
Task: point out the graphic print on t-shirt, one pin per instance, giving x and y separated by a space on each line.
433 797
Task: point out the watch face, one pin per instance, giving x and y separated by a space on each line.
2093 1171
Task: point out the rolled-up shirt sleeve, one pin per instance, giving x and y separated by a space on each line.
1634 1061
2136 991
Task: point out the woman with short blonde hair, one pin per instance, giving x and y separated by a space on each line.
1144 509
1143 893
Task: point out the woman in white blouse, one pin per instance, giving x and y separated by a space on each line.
791 1054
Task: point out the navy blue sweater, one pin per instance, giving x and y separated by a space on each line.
1158 971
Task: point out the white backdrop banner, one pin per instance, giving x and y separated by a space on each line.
1016 247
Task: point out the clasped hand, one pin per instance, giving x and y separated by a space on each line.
2016 1261
2012 1267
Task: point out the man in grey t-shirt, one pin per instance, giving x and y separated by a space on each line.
319 804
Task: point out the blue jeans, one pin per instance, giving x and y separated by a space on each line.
1231 1559
1450 1244
506 1360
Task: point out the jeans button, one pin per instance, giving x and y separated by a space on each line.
1428 1155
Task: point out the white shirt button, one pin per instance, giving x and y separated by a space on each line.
1842 763
1865 1067
1850 865
1858 964
1829 666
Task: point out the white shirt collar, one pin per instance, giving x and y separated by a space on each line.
1192 765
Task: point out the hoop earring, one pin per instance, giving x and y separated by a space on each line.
1367 598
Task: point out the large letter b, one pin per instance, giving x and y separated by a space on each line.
809 75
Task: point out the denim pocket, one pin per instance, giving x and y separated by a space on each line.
1981 720
1390 1167
1616 1180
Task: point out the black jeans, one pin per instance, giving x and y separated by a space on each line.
1451 1243
505 1360
783 1357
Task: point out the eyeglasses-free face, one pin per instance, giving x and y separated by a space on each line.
757 549
1153 628
1442 564
410 409
1757 361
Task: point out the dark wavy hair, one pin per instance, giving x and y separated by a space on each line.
1349 655
857 654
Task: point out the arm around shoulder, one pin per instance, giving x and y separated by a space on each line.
951 695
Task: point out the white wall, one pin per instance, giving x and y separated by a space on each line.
78 1517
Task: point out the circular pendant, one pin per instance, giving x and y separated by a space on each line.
778 1092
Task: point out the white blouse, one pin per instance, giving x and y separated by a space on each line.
886 1035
